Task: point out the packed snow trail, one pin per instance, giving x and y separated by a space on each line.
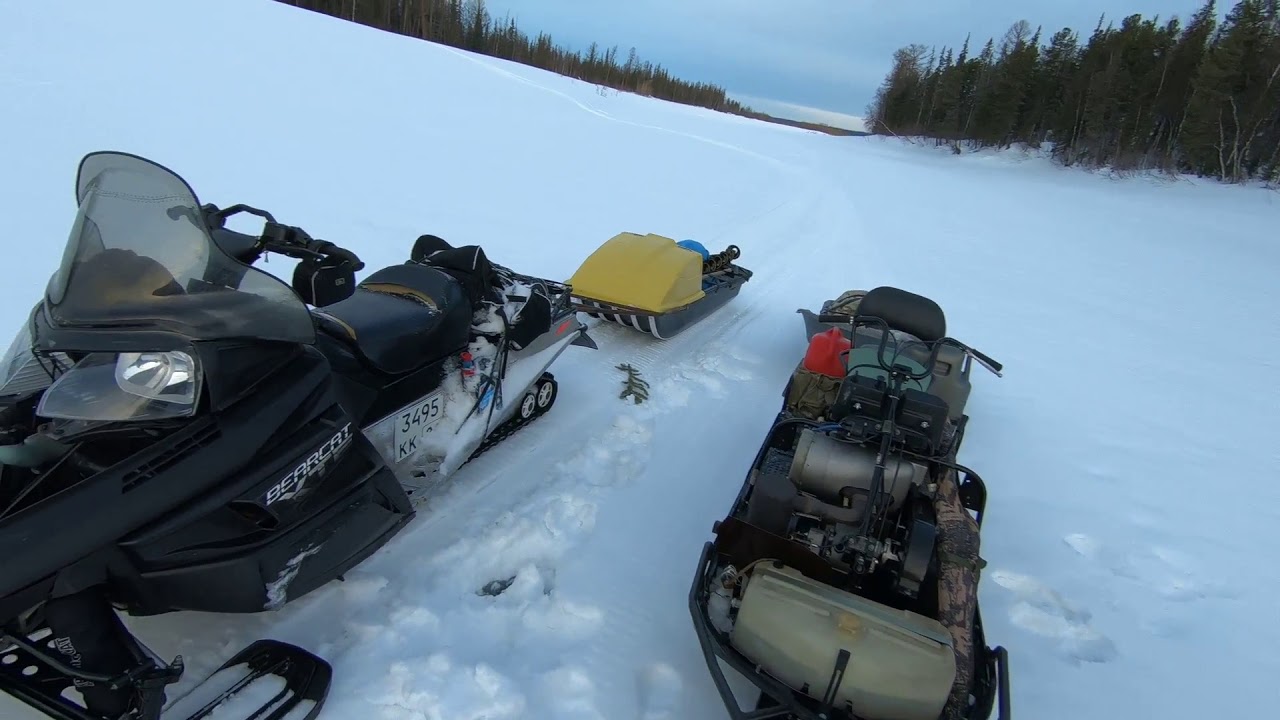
550 579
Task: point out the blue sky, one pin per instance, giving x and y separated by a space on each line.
814 59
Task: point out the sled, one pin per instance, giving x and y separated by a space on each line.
180 430
843 581
655 285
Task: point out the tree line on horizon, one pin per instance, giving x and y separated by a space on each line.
1202 99
468 25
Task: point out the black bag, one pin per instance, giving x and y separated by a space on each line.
470 266
534 320
324 281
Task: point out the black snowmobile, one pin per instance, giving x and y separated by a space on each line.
843 582
180 431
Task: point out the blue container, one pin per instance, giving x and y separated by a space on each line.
695 246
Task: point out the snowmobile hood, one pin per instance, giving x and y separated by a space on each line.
140 259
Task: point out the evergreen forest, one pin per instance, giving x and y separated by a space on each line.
1200 97
468 25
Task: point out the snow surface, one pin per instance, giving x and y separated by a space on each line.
1132 459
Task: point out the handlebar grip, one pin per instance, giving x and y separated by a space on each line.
328 248
995 367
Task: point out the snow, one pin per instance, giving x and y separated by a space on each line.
1130 448
278 589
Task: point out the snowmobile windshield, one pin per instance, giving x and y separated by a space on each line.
140 257
899 344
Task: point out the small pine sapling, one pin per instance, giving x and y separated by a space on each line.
634 386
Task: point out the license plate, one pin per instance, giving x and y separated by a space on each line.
415 422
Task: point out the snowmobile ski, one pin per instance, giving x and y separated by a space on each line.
303 679
301 684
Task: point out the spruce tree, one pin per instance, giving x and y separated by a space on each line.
1194 98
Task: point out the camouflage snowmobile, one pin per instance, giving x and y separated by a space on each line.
843 581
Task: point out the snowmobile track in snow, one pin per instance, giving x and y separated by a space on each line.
621 344
700 362
544 515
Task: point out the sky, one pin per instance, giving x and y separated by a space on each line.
809 59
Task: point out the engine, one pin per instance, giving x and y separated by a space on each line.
824 497
864 638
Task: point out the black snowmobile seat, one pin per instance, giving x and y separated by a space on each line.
906 312
401 318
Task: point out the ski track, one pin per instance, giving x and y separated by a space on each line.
698 368
1165 582
528 543
525 547
707 377
485 63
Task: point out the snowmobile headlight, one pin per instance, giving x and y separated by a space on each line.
166 376
118 387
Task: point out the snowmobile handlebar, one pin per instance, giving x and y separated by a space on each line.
983 359
287 240
296 243
996 368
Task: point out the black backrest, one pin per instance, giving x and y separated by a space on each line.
426 245
469 266
905 311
